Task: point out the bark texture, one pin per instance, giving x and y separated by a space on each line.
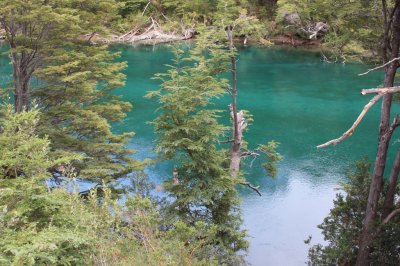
238 119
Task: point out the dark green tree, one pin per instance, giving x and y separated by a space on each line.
41 224
189 131
79 107
343 226
51 42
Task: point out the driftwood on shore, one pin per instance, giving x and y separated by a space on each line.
2 34
155 34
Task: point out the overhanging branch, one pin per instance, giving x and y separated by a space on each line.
379 67
381 90
350 131
256 189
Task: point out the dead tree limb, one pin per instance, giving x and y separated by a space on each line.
350 131
388 90
391 216
145 8
379 67
256 189
249 153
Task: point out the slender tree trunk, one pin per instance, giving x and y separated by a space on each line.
21 77
237 128
388 205
385 134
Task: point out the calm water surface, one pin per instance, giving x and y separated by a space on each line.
295 99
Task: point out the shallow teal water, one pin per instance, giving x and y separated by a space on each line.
295 99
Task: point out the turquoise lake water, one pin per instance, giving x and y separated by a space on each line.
297 100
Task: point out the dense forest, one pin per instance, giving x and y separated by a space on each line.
73 193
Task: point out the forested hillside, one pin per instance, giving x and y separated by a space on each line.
72 191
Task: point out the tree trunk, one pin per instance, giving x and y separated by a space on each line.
388 205
21 78
236 120
385 134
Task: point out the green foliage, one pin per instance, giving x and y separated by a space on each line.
355 26
271 155
285 7
343 225
35 224
174 15
78 109
188 131
128 7
42 225
75 80
22 152
191 11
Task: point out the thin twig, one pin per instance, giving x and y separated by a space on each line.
145 8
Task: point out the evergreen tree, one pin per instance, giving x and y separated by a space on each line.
45 225
188 128
342 227
34 224
35 29
75 79
79 107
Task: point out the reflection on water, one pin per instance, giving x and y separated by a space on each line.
295 99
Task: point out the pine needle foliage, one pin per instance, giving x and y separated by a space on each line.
342 227
189 130
51 43
45 225
79 107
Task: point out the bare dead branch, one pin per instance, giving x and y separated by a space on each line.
256 189
395 123
350 131
144 10
249 153
227 141
379 67
391 216
381 90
